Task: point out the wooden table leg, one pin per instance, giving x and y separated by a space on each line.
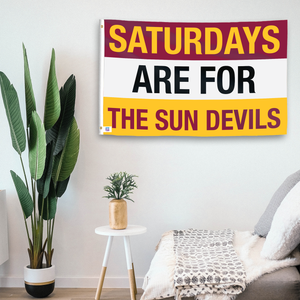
104 267
132 284
135 289
100 284
129 267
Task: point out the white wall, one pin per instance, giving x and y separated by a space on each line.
183 182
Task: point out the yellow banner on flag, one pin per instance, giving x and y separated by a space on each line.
160 117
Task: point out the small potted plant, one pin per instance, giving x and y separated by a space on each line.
121 185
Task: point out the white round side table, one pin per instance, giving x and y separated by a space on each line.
125 233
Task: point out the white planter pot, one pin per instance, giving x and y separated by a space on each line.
39 283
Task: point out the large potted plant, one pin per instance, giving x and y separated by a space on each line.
121 185
53 147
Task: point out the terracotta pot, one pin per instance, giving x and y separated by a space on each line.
39 283
117 214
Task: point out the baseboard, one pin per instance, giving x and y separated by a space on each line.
91 282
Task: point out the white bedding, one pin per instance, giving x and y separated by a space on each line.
159 281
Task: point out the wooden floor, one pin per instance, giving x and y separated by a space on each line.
71 294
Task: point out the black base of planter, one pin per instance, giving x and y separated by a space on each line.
39 291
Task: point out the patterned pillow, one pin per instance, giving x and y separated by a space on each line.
264 224
284 235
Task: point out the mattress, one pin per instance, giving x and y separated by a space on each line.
279 285
283 284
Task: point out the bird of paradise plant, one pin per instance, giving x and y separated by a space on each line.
53 147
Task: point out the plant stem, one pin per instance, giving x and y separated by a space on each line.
30 242
34 199
24 172
48 234
27 231
49 244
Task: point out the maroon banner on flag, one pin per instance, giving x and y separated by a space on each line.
196 41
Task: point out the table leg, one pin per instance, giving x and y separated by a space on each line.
104 266
130 268
135 289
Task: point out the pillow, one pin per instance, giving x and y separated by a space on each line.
284 235
263 226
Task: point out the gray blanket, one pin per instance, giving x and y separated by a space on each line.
206 262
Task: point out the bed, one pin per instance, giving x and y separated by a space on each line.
282 284
269 255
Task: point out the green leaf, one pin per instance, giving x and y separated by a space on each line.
61 187
50 204
13 113
122 184
23 194
52 133
60 130
52 103
29 95
65 161
43 184
37 147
